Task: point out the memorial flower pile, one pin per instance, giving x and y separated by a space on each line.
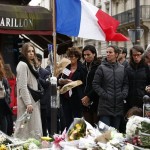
138 131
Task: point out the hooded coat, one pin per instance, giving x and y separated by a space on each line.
139 78
111 84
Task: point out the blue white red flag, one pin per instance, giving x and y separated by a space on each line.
79 18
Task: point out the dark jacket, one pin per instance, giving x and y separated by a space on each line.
77 92
4 103
90 70
44 80
111 84
125 63
139 78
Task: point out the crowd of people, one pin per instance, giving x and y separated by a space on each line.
110 88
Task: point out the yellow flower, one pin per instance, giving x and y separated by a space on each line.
3 147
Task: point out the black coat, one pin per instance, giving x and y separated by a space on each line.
4 103
77 92
139 78
88 90
44 80
111 84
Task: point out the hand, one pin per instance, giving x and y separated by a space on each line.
147 89
29 108
85 101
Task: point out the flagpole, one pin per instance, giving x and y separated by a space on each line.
54 36
53 79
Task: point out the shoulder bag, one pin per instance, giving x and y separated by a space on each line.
37 94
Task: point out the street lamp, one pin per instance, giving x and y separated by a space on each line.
136 34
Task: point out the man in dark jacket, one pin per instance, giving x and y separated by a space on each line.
45 101
111 84
122 57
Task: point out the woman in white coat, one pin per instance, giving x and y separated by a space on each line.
27 127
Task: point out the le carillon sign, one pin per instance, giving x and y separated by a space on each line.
16 23
31 19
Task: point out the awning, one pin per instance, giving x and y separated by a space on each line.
33 21
16 19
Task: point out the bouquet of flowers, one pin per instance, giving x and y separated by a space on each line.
138 131
77 130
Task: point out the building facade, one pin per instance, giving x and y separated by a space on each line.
124 12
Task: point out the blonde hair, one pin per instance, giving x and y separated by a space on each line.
8 71
2 71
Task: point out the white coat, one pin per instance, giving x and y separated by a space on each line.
33 127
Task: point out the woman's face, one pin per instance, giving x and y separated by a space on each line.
88 56
30 53
137 56
111 55
73 59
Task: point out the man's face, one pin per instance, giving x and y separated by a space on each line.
111 55
39 63
121 56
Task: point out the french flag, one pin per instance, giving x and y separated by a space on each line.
79 18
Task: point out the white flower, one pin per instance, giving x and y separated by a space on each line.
129 147
133 123
33 146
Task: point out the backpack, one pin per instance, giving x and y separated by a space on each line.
2 90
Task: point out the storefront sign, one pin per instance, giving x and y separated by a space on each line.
25 20
16 22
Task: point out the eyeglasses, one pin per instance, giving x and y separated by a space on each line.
136 55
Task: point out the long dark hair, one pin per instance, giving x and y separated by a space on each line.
2 71
8 72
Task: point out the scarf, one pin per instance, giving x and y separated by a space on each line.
34 72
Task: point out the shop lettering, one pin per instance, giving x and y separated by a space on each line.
16 22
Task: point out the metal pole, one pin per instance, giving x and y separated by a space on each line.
54 35
137 21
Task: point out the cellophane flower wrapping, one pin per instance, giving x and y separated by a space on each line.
139 126
80 134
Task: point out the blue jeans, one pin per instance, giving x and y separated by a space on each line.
111 121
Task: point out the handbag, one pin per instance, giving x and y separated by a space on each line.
37 94
2 90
